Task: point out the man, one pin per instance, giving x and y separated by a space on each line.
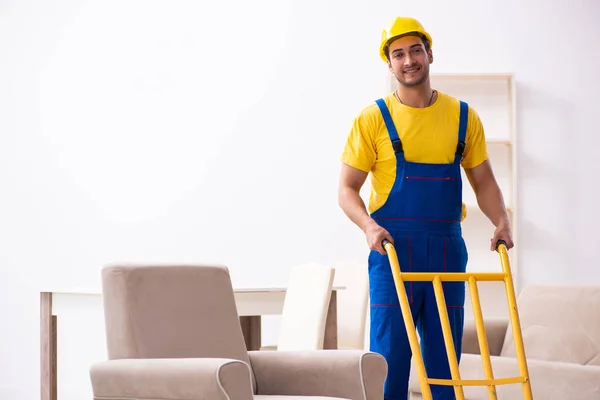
414 142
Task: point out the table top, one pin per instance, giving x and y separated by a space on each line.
93 291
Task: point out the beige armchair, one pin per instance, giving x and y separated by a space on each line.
173 332
561 334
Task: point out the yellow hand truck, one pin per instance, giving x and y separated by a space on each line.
471 278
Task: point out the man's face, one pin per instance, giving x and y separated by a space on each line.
408 60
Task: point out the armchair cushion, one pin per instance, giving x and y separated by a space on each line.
349 374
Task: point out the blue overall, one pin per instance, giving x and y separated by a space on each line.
423 214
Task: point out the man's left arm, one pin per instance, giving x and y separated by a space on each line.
479 171
491 201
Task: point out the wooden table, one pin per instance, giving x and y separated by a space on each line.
252 303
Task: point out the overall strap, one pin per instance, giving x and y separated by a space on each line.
462 131
391 128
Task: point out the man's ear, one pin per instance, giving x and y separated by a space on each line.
430 56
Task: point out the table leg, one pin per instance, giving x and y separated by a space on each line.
251 328
330 340
48 356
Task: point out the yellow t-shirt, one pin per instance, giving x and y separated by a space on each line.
428 135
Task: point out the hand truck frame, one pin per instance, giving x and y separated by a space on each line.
471 277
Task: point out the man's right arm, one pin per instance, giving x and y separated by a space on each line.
351 181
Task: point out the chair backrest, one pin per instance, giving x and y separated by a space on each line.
305 307
559 323
171 312
352 303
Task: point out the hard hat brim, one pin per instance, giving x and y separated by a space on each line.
386 44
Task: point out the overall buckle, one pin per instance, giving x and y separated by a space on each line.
397 144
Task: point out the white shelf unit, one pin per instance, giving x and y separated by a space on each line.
493 97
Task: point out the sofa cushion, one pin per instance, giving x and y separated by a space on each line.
559 323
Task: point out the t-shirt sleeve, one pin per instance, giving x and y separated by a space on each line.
359 151
476 147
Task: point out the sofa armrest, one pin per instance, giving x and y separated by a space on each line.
174 379
351 374
495 331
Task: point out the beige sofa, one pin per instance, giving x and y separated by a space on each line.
173 332
561 334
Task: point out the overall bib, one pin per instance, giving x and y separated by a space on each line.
423 214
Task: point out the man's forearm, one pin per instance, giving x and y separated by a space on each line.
354 207
491 202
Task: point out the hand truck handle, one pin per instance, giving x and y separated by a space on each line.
499 242
384 242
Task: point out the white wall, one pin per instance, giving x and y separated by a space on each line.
187 132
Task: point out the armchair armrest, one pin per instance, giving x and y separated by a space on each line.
350 374
495 331
174 379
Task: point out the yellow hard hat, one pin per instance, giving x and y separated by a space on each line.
401 26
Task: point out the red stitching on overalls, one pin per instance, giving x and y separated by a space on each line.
426 178
418 219
410 266
445 247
